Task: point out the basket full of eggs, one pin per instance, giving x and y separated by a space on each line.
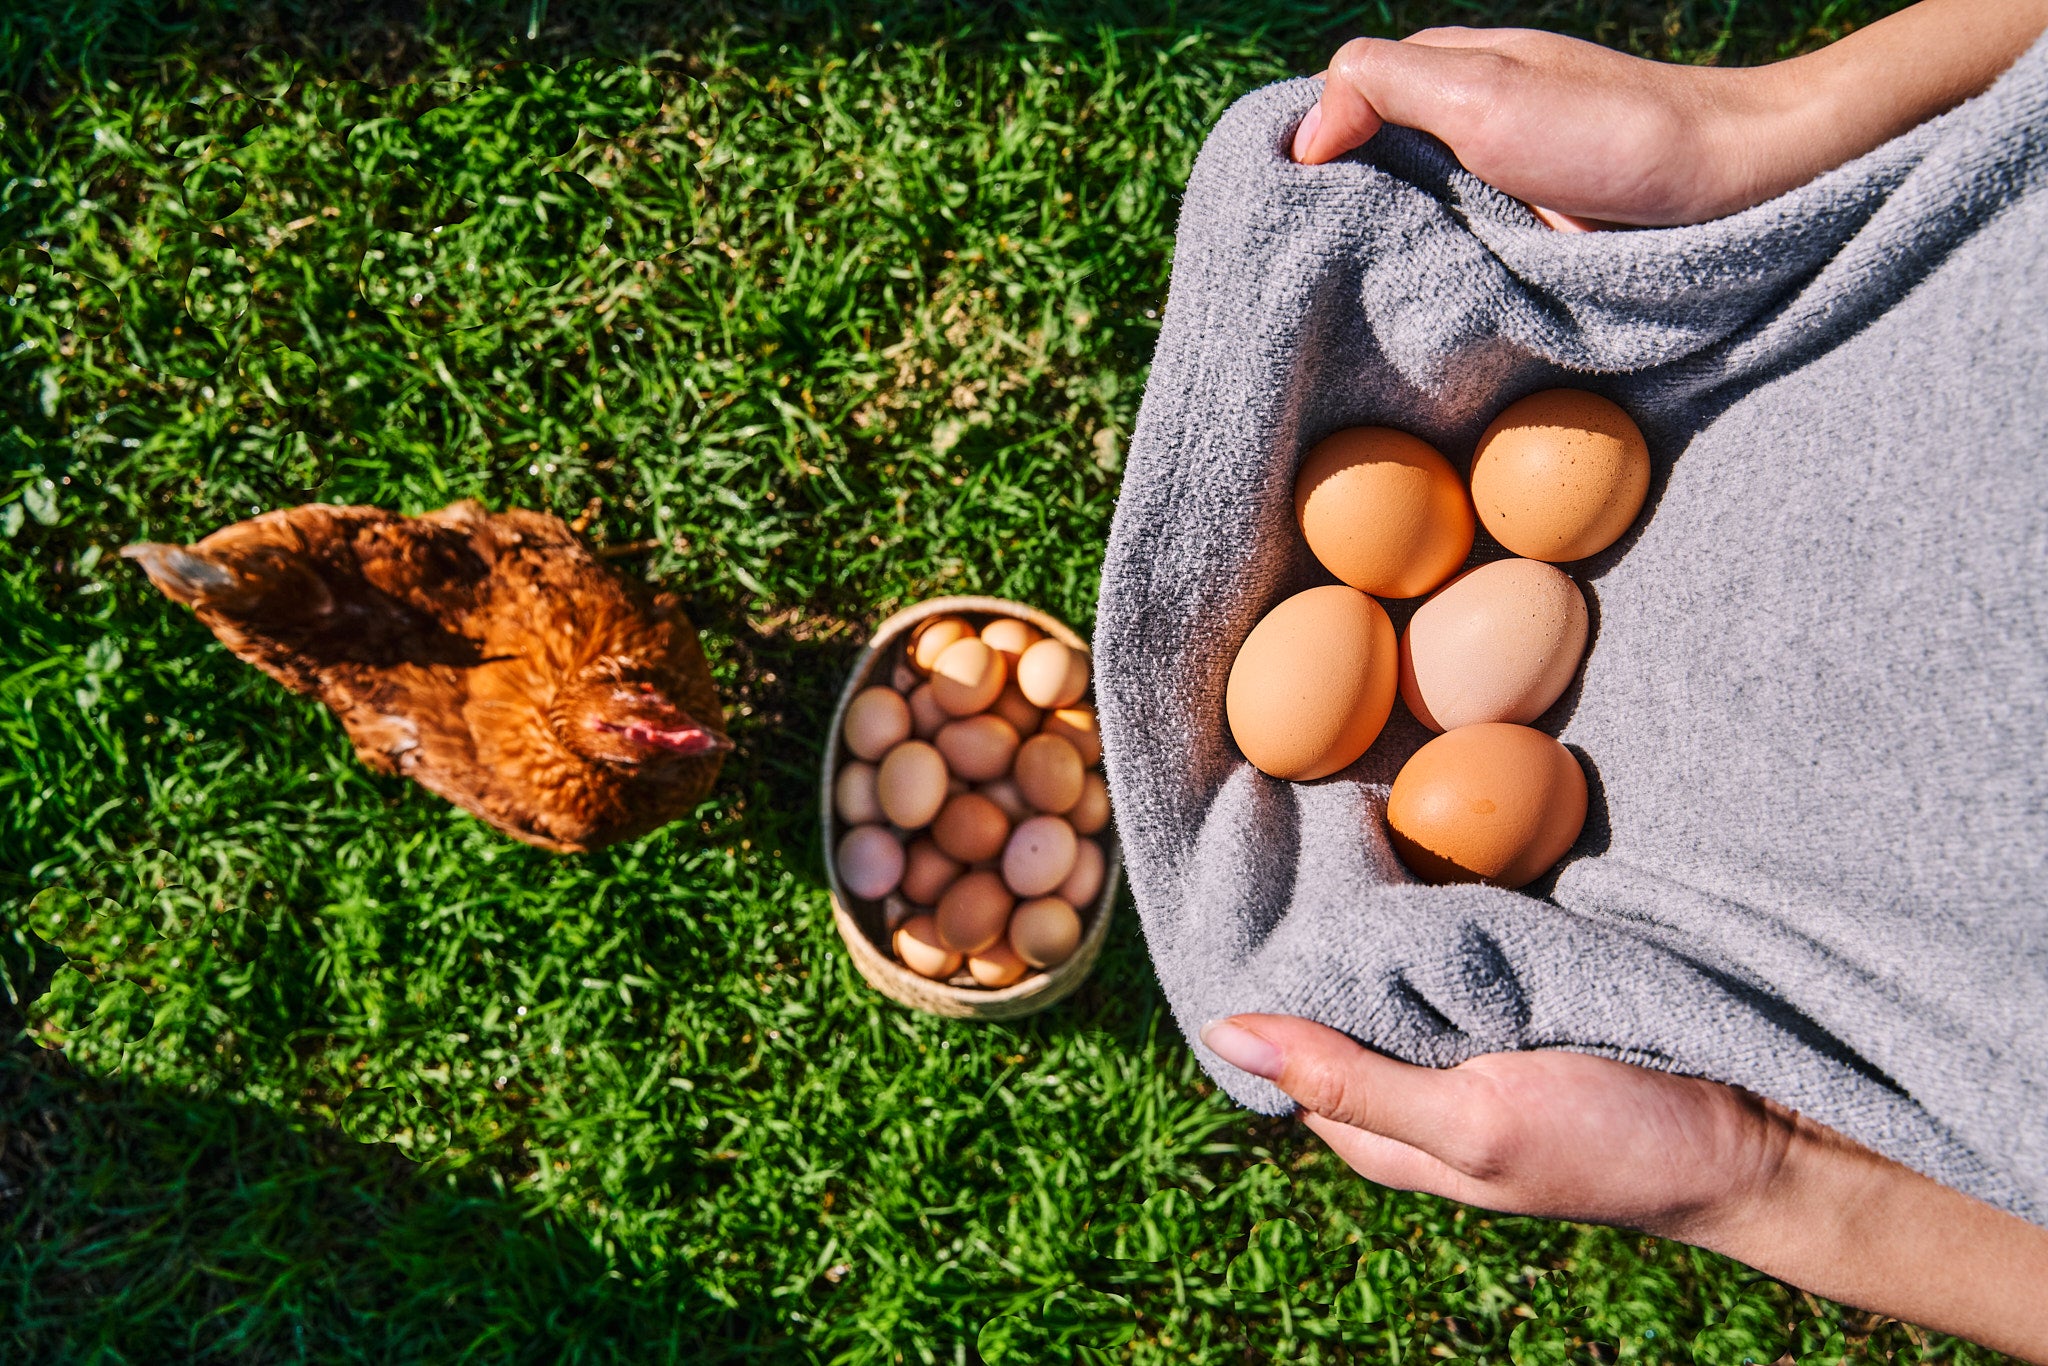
966 820
1557 477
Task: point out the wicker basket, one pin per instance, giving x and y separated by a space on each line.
860 922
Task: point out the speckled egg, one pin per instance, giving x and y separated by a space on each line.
1039 855
1560 475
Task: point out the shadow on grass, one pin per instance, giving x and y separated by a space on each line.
787 670
157 1226
390 41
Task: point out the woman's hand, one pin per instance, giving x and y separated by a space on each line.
1589 137
1583 134
1559 1134
1571 1136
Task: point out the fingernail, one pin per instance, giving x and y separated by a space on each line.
1305 131
1242 1049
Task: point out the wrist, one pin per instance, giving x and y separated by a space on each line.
1801 1208
1783 124
1769 131
1834 1218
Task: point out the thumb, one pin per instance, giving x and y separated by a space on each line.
1328 1074
1375 81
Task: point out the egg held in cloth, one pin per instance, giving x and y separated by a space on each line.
1494 803
1313 683
1560 475
1383 511
1498 643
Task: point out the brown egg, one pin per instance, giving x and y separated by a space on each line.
1076 725
931 638
997 965
1051 675
1383 511
1313 683
927 871
1015 708
1491 803
1003 792
1497 643
1560 475
917 943
1091 812
1045 932
971 828
974 912
1010 638
911 784
1084 883
870 861
927 717
967 677
853 795
978 748
1039 855
1049 773
876 719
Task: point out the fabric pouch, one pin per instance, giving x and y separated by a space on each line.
1814 708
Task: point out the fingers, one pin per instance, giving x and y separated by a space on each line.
1342 119
1564 222
1417 83
1444 81
1329 1075
1387 1161
1305 133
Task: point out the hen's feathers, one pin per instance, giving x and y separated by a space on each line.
473 652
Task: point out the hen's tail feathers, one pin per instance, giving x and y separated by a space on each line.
265 583
181 575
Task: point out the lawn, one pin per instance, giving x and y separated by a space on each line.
807 313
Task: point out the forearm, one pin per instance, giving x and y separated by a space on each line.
1842 1222
1795 119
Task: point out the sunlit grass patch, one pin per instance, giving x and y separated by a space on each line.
805 315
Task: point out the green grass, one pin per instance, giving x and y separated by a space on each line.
813 312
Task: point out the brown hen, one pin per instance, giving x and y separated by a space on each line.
487 656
